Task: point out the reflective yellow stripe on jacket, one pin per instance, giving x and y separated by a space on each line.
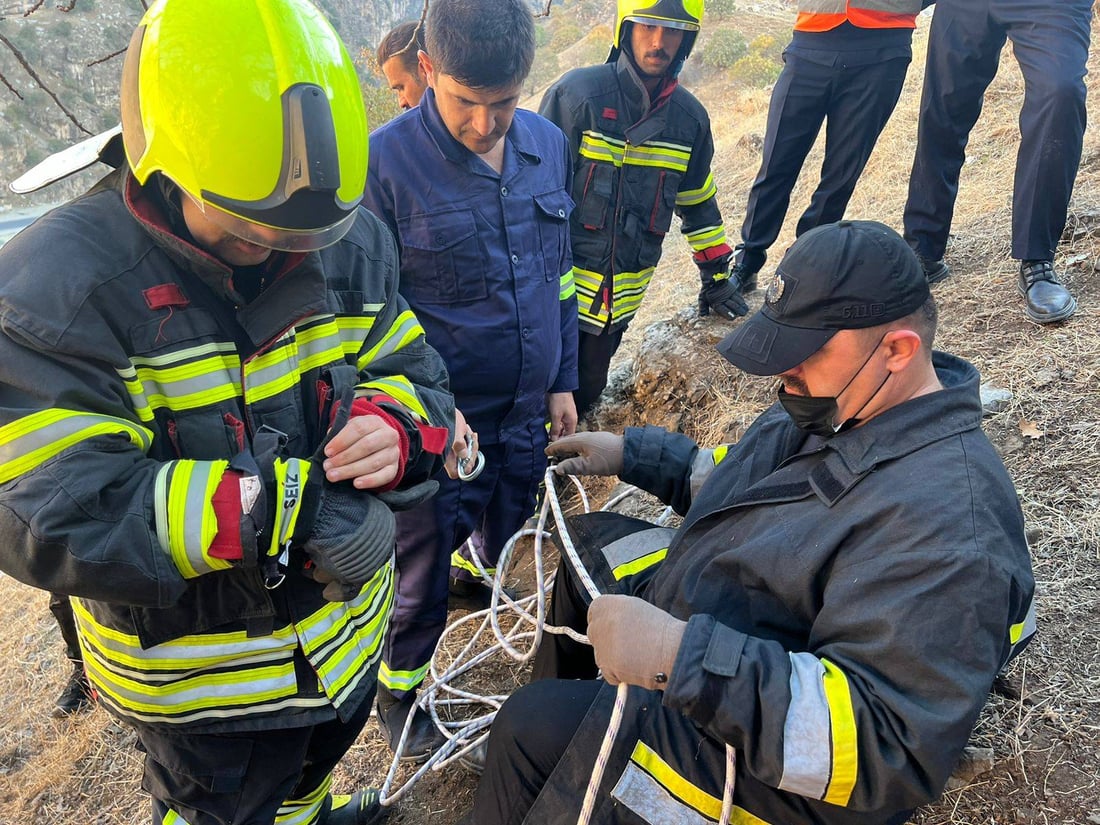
210 676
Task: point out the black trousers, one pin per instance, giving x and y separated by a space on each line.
593 361
62 610
531 733
1050 39
243 778
854 102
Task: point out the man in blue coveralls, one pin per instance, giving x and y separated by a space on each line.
475 193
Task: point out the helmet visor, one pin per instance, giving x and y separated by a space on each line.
661 21
272 237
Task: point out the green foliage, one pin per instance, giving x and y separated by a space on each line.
766 46
542 33
723 48
7 141
564 35
544 71
720 8
594 47
62 28
380 103
755 70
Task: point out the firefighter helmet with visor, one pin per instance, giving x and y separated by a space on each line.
253 109
674 14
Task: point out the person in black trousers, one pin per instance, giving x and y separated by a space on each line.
77 693
1050 40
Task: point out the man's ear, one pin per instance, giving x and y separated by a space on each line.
425 68
902 345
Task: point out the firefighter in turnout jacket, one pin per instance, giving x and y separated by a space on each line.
642 148
211 394
823 609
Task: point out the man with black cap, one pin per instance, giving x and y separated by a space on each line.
847 582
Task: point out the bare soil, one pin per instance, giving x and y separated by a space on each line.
1041 727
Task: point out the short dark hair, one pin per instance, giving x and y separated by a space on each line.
923 321
402 42
482 44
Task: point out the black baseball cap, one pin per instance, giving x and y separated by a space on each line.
846 275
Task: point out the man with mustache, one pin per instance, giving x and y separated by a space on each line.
642 149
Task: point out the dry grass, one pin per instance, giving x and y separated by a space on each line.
1044 737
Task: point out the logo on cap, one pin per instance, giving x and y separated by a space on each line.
775 289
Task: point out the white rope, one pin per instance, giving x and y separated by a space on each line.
519 641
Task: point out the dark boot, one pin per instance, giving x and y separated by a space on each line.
748 263
467 595
424 737
1047 300
77 695
934 271
474 759
360 808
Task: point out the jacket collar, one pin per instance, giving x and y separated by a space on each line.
637 96
518 137
285 301
918 422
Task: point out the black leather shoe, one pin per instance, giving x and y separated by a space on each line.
474 759
745 277
77 695
360 808
935 271
1047 300
467 595
424 737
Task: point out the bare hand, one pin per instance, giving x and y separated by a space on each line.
461 447
563 414
367 451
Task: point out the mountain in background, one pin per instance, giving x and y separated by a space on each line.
78 55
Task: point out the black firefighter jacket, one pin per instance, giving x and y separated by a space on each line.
131 371
849 603
635 163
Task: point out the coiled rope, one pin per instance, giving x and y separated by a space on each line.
519 641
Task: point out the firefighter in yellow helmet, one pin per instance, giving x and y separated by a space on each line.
642 149
211 400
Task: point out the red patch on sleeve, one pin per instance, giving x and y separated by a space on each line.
610 114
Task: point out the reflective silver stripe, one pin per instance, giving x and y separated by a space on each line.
636 545
400 389
841 6
404 330
693 197
645 796
807 761
1020 633
188 521
184 380
34 439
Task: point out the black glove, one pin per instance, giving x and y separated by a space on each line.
721 296
353 535
348 545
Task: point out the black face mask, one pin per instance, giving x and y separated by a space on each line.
816 414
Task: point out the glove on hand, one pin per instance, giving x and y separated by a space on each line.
719 294
346 547
634 641
596 454
349 543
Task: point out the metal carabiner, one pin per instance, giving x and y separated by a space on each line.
463 463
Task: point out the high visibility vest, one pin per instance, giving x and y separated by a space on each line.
823 15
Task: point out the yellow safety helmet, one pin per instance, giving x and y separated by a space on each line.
253 108
675 14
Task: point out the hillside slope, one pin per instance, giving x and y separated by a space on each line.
1041 728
